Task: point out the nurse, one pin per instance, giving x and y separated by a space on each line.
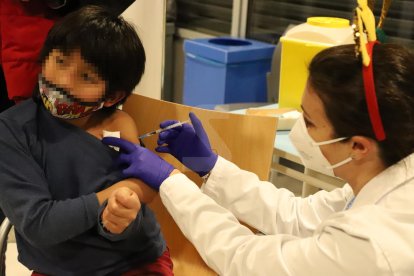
357 125
364 228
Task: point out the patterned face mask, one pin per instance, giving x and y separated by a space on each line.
62 105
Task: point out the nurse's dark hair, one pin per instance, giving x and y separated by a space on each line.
335 75
106 41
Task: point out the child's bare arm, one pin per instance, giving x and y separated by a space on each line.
144 193
123 123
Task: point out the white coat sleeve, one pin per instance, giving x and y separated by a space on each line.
268 209
231 249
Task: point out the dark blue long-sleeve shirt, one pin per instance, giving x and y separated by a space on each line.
49 174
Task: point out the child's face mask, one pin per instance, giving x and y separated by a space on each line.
61 104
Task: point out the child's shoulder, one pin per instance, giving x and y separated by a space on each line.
122 122
120 117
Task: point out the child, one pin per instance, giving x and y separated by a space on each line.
56 174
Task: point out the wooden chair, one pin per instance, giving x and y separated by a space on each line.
245 140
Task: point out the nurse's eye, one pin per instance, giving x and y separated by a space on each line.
307 122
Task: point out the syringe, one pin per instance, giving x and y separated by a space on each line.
162 129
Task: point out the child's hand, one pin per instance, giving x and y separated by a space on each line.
122 209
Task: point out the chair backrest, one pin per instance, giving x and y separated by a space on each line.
245 140
4 232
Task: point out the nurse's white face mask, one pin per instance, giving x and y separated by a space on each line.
310 153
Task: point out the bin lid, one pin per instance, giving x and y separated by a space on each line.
328 22
229 50
325 30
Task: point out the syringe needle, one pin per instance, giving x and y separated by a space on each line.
163 129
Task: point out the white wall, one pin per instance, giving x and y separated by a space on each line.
148 17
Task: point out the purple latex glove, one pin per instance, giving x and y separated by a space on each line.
190 145
139 162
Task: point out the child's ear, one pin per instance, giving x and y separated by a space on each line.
114 98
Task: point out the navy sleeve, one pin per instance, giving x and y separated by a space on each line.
25 198
131 229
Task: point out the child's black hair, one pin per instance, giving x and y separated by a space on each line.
106 41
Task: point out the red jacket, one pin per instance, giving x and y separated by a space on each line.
23 29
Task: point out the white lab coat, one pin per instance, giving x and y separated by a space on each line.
304 236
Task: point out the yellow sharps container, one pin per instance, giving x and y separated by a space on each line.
299 46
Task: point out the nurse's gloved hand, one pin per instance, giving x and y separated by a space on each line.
189 144
139 162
